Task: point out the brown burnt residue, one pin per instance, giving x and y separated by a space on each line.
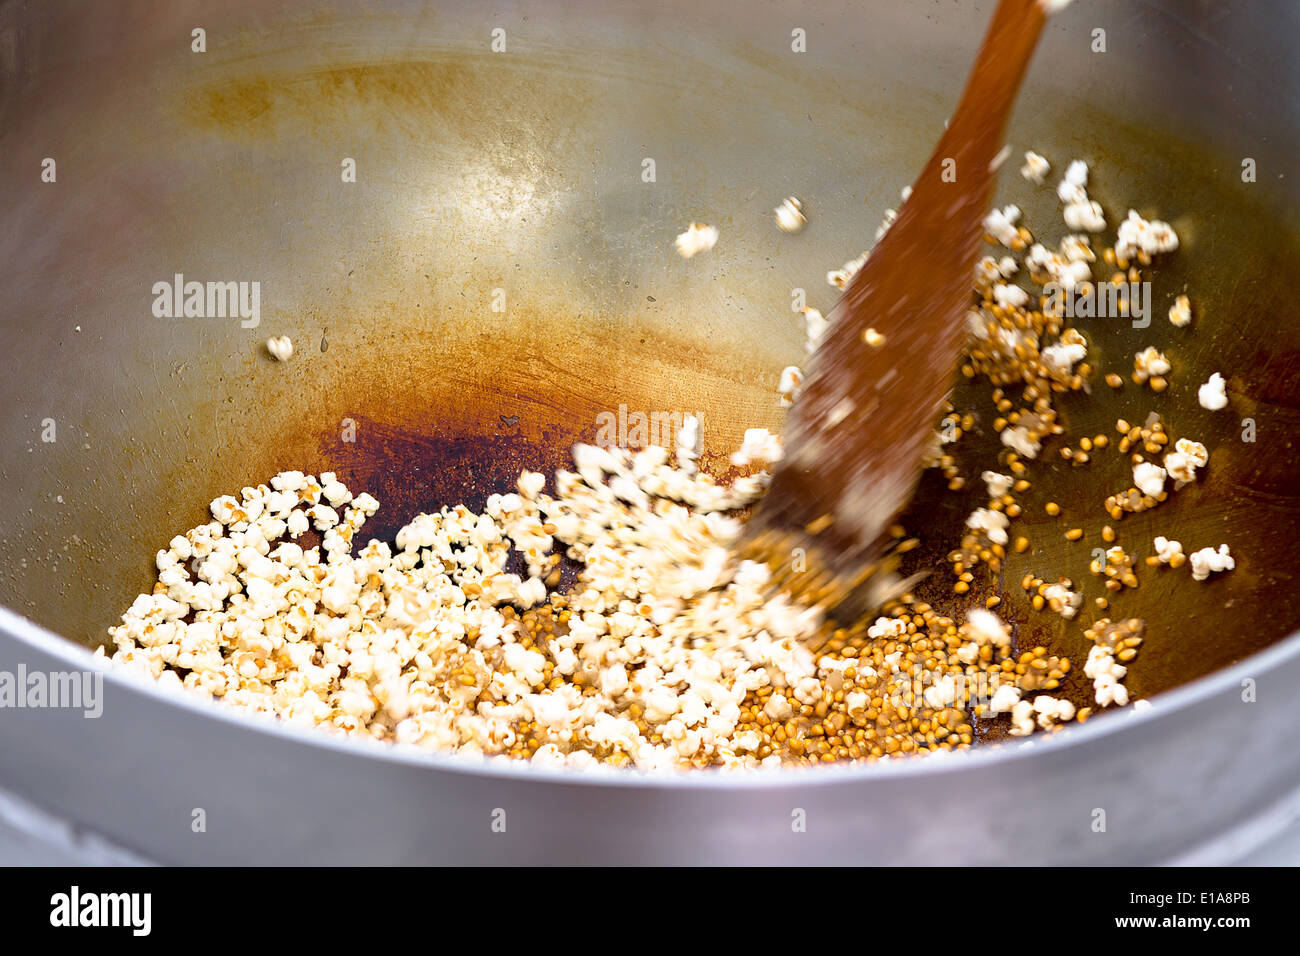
414 467
421 466
462 407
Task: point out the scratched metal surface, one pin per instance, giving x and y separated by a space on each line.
521 171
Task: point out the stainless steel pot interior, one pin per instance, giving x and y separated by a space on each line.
484 176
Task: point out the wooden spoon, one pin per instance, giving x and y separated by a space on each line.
855 438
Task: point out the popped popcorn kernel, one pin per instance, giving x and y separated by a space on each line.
280 347
1213 395
1035 169
696 239
1209 561
1180 313
789 215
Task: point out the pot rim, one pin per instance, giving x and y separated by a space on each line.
1165 705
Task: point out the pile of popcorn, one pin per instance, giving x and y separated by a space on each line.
665 654
423 642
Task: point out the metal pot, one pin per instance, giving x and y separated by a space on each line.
500 272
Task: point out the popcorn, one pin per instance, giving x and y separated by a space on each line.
1213 395
1080 212
890 217
696 239
1167 551
1019 440
1052 710
1182 462
887 627
1149 363
1149 478
759 445
334 491
289 481
280 347
1001 224
983 627
1022 719
687 445
1106 673
1208 561
992 523
530 484
1063 355
1068 267
297 524
1061 599
1086 214
815 324
1113 644
530 592
1004 699
997 484
1180 313
1010 295
1075 178
1035 169
840 278
987 272
1137 235
1076 248
789 216
778 707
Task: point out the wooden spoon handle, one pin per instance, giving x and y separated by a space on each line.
856 436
